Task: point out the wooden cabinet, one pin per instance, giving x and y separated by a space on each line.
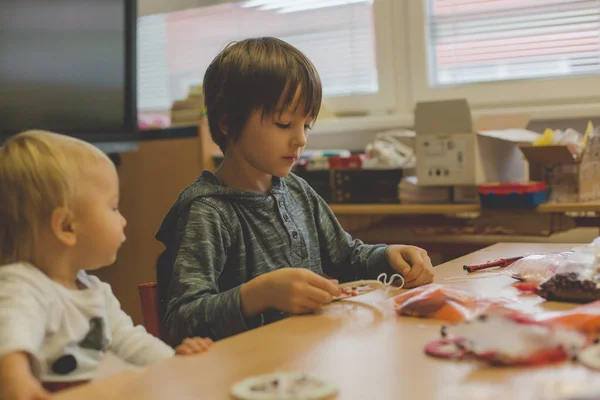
150 181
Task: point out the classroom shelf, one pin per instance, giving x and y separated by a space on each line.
433 209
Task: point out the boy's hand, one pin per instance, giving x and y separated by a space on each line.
299 290
291 290
195 345
412 263
22 388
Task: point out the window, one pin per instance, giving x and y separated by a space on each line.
339 36
153 75
377 56
479 41
505 52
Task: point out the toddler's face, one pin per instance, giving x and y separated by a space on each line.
100 225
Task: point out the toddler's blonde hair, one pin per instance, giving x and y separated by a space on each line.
38 173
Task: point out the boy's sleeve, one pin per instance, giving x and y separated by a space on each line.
344 257
132 343
194 304
23 319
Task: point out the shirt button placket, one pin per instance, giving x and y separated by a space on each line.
289 225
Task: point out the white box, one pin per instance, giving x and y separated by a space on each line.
452 150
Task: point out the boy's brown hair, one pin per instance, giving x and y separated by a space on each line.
256 74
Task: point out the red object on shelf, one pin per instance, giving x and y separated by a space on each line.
512 188
351 162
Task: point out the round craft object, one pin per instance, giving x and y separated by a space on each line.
284 386
446 348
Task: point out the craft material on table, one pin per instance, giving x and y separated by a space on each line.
358 288
444 303
284 386
498 340
502 262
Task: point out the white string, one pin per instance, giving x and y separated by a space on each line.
383 278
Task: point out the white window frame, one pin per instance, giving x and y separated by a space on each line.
539 95
386 99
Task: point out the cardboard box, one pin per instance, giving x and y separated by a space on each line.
452 149
589 175
556 166
570 178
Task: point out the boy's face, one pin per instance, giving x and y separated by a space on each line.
99 224
273 144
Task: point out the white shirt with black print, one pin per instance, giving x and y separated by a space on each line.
66 332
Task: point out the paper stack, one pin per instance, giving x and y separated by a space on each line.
409 192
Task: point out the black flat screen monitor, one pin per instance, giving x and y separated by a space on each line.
69 66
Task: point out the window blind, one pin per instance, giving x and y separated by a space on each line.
175 49
153 86
474 41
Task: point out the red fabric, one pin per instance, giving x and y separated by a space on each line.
54 387
149 299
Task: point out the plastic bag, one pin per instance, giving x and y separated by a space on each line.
536 268
446 304
389 151
578 279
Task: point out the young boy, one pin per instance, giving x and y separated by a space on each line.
59 201
251 243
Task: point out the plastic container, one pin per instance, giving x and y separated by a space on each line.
513 194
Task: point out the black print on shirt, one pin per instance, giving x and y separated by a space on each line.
64 365
95 339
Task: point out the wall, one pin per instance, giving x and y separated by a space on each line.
150 181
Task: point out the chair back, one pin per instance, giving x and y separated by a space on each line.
148 293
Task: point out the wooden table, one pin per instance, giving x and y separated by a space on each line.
369 355
428 209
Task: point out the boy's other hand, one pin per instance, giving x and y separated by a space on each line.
291 290
195 345
412 263
299 290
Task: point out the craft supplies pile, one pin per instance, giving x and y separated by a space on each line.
500 331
